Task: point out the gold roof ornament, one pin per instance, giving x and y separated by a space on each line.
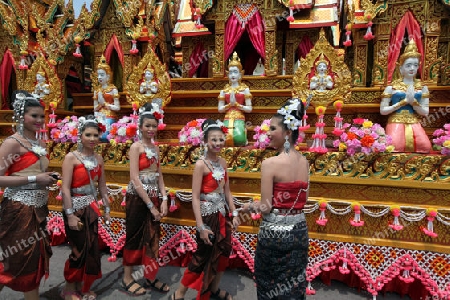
103 65
41 72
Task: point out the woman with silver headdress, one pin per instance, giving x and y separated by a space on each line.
215 214
144 209
282 251
24 244
83 171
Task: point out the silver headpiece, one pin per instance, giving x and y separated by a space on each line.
19 109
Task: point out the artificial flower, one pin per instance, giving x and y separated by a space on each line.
191 133
89 165
40 151
364 136
150 153
218 174
66 130
441 142
123 131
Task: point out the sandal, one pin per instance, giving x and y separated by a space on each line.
173 297
72 294
152 285
89 296
216 295
135 292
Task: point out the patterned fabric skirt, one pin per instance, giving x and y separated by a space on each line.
84 264
280 264
142 236
24 245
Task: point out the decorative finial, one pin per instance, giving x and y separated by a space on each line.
104 65
41 72
321 60
235 62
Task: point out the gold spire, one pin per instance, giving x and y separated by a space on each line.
235 62
41 72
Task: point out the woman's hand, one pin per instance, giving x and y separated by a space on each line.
204 236
164 209
156 214
236 222
46 179
73 220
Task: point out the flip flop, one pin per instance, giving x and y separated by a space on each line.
216 295
173 297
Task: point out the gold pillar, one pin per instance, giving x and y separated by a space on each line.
381 49
361 59
271 63
218 60
432 63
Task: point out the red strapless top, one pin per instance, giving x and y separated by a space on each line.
24 161
80 175
145 163
209 184
285 193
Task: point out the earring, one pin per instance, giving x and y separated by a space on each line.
286 145
205 150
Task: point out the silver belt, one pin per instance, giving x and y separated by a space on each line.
150 188
212 203
80 202
36 198
82 190
149 178
284 219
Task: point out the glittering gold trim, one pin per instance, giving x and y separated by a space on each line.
404 117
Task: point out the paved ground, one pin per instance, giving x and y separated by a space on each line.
238 283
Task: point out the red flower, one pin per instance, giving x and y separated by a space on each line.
351 136
131 130
367 141
193 123
157 115
101 127
224 129
42 103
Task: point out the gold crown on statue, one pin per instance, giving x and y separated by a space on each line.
103 65
235 62
150 68
41 72
411 51
321 60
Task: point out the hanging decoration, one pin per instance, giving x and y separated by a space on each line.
369 35
338 119
319 136
348 41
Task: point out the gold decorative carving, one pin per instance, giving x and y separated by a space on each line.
342 75
51 78
432 63
271 63
218 57
161 76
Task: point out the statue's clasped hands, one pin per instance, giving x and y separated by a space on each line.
410 94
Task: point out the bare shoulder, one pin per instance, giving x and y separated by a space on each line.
99 158
200 163
269 162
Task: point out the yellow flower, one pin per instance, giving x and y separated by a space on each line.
320 110
265 127
112 142
367 124
390 148
342 147
446 144
256 198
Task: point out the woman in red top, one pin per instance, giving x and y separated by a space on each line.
282 251
81 170
24 243
143 207
212 202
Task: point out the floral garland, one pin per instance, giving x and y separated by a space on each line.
262 139
441 142
191 133
66 130
123 131
363 136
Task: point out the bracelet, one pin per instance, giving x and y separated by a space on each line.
32 179
165 198
68 211
415 103
201 228
107 210
235 213
150 205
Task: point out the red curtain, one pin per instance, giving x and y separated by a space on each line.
409 23
255 29
304 47
114 44
6 68
198 56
